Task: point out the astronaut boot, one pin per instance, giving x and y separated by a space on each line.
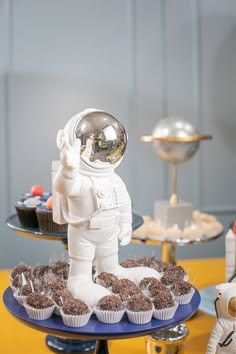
81 285
111 264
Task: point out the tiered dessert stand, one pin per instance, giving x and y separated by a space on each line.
95 335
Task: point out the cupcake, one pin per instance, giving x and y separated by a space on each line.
45 218
75 313
183 291
109 309
26 211
164 306
139 309
38 306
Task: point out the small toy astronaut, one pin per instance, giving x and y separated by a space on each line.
93 201
223 336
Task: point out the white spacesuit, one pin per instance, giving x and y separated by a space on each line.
223 336
94 202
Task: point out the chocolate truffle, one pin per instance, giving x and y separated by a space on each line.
75 307
128 292
39 271
38 301
119 285
106 279
162 301
139 303
59 296
146 282
130 263
110 303
27 289
181 287
19 270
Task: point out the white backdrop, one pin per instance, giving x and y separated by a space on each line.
138 60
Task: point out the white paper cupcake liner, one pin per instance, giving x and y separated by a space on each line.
185 299
165 314
57 310
75 320
39 314
109 316
19 298
140 317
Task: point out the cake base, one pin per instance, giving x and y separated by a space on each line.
73 346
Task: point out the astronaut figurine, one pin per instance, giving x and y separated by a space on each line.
93 200
223 336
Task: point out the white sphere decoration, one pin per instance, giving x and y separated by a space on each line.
170 147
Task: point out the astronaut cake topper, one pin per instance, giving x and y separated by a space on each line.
93 200
223 336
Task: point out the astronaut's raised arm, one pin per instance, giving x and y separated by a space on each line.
67 182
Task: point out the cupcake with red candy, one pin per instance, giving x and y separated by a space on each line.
26 207
45 218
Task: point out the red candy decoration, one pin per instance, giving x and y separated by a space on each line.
234 227
37 190
49 203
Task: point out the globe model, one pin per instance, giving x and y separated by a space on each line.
174 150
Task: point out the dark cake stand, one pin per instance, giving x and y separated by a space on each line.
95 330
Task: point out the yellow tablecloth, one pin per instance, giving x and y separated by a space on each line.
20 339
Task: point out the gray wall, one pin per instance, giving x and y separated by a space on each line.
139 60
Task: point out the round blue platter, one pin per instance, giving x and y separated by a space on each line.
95 329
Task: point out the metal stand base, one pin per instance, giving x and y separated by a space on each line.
169 341
74 346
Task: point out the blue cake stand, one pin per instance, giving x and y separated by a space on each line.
54 343
95 330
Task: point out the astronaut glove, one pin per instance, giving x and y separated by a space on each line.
69 154
125 234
